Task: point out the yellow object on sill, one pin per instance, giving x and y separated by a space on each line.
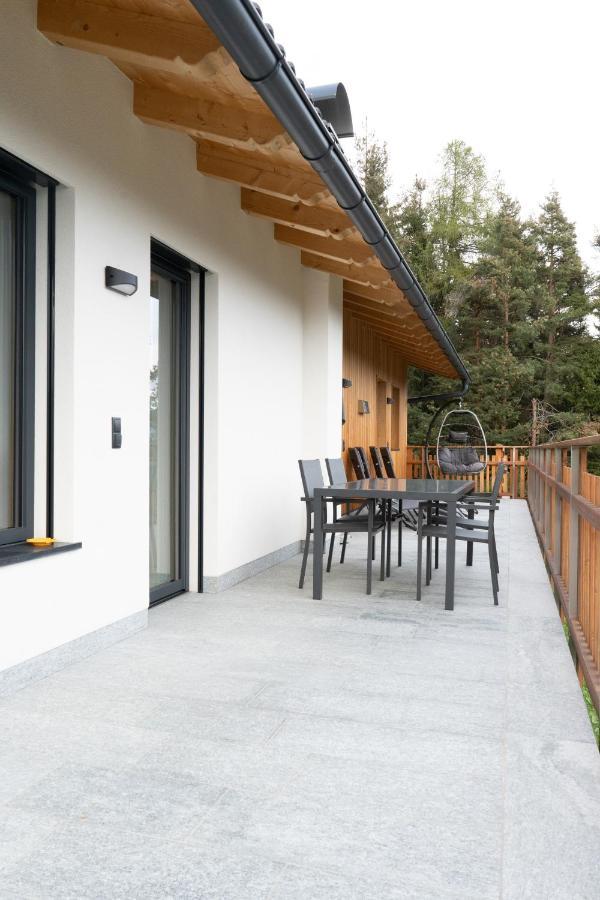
41 541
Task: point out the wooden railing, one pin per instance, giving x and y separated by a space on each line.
514 483
564 499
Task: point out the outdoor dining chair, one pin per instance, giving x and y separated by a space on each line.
469 530
359 461
336 472
312 477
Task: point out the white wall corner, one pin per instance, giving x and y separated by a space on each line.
322 358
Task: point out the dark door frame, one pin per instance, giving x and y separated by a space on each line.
174 270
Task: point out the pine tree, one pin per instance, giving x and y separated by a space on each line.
502 282
562 304
461 199
373 170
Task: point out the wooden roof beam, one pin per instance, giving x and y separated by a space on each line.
317 219
259 171
392 320
416 341
128 36
354 252
392 296
374 276
196 116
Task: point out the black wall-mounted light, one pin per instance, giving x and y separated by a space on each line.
389 400
123 282
346 383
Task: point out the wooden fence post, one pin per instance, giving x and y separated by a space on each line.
574 536
558 513
548 496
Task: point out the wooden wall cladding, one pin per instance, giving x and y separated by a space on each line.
378 372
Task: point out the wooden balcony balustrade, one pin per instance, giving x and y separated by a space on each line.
564 500
514 483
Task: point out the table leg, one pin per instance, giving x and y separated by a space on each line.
369 546
384 534
389 540
470 543
450 553
318 549
400 532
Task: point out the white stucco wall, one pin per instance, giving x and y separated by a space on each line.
69 114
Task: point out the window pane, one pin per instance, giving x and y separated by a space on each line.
7 359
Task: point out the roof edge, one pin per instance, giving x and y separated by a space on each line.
249 40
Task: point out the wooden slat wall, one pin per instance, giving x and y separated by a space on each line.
368 358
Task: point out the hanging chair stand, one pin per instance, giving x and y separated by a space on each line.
455 461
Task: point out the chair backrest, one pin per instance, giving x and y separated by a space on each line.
388 462
365 461
377 462
312 477
336 471
356 458
497 482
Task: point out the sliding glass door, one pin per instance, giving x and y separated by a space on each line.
169 428
17 346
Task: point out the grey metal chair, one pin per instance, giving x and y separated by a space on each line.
359 461
371 525
336 472
474 532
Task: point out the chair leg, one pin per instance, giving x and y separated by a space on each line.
344 542
428 561
305 555
437 553
330 557
370 548
493 571
496 553
383 553
419 555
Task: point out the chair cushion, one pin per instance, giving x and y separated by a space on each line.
459 460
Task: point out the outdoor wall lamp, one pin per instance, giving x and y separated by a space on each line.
363 407
389 401
123 282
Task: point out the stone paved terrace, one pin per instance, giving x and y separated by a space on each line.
259 744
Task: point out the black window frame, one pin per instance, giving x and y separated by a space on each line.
24 364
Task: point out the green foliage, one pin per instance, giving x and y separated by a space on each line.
513 294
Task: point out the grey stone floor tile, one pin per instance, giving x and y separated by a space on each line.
541 658
21 834
136 797
552 826
326 702
85 862
417 883
538 712
355 819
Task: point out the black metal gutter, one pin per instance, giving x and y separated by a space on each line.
239 26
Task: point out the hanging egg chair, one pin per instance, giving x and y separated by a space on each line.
458 445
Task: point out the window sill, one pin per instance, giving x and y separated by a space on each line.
18 553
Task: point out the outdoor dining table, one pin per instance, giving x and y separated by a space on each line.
424 490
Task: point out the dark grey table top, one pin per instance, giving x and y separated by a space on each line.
399 488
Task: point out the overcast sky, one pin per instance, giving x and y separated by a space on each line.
518 81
